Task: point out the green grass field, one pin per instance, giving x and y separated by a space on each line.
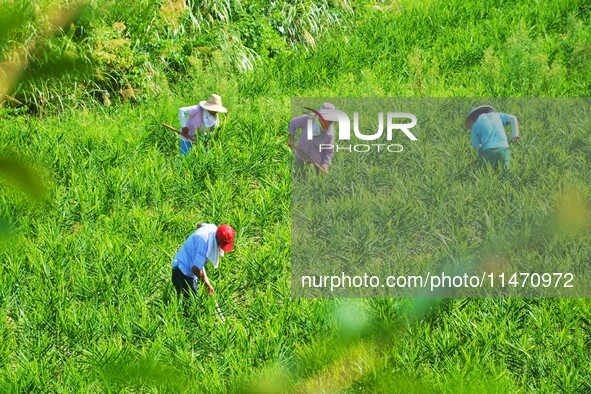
86 300
429 208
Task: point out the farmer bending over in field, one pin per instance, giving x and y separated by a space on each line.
207 243
203 117
310 150
488 135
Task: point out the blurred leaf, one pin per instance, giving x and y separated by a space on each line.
56 65
129 372
572 214
9 22
62 17
22 176
16 68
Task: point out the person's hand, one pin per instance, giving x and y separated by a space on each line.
291 143
325 167
210 290
515 139
185 131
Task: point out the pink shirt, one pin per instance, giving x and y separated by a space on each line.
309 150
191 117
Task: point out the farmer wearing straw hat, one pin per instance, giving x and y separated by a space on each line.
489 137
207 243
323 133
202 117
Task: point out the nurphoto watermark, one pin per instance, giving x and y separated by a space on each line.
331 116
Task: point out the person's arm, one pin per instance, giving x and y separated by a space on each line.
294 125
476 143
202 275
512 120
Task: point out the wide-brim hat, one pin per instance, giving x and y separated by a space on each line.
326 111
213 104
475 113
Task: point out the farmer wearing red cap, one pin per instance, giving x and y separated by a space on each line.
323 134
207 243
488 135
203 117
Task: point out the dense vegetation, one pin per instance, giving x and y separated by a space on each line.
85 299
100 51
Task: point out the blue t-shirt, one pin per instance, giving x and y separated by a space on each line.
194 250
488 131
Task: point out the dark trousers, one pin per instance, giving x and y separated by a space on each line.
183 284
496 157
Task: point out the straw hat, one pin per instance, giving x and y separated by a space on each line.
475 113
213 104
326 106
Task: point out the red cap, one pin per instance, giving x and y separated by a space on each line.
225 237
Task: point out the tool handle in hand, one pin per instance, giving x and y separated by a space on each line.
178 132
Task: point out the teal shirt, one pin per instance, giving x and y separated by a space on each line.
488 132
